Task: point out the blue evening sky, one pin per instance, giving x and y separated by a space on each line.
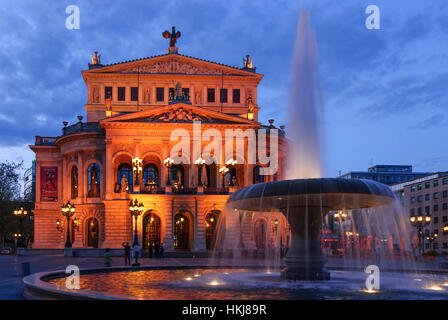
385 91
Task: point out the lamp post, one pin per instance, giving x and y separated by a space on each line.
431 237
21 213
68 210
420 222
168 162
137 169
135 209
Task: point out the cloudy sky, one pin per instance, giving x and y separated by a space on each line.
385 91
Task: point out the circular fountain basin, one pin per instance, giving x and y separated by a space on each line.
227 283
326 193
304 202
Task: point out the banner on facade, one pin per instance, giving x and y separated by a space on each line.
49 184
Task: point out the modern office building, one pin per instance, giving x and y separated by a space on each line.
428 195
29 183
387 174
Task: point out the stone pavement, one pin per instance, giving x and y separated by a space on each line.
11 286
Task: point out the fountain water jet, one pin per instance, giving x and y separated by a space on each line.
306 201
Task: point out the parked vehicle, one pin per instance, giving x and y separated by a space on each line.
6 250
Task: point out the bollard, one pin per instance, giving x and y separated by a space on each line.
25 269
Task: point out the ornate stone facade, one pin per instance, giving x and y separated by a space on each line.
91 158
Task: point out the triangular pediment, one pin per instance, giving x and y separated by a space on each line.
173 64
179 113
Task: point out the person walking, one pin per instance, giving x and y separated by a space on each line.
137 251
161 251
150 250
127 253
107 258
156 249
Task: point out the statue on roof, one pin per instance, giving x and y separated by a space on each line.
173 36
247 64
96 59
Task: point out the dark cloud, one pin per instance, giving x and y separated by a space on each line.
366 74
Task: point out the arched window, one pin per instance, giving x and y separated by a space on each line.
257 177
152 230
93 179
181 232
126 170
74 178
151 175
177 174
92 233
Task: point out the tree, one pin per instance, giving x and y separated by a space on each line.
10 188
10 199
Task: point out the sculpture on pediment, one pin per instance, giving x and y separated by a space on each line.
250 103
179 115
247 64
174 66
173 36
178 95
197 98
147 95
95 95
95 59
124 184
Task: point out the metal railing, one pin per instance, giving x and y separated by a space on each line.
82 127
45 141
216 190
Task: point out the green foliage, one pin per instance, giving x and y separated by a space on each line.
10 188
10 200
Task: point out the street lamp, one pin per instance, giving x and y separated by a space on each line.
431 237
137 169
68 210
21 213
168 162
135 209
420 222
445 229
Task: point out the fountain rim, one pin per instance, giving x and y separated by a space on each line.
329 193
37 285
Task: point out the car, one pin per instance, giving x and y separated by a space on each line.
6 250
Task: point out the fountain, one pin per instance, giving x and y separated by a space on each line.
306 201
